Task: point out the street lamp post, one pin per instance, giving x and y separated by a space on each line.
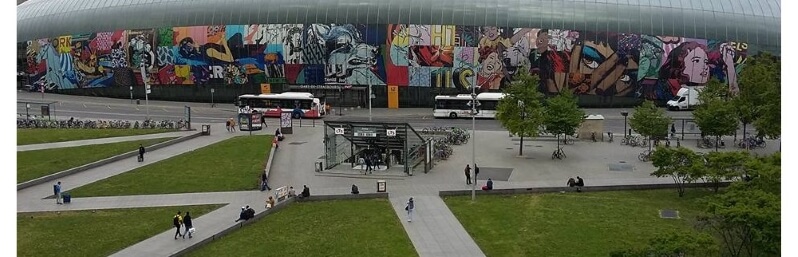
370 96
624 114
473 143
146 89
523 116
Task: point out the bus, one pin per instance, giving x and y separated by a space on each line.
460 105
271 105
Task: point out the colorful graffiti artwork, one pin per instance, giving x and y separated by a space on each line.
604 64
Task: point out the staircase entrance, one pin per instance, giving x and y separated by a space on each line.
389 144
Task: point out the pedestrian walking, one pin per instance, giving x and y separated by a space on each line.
227 125
673 130
232 125
409 208
141 152
468 174
369 164
177 220
189 226
264 185
476 173
57 192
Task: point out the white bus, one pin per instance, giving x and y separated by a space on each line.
460 105
271 105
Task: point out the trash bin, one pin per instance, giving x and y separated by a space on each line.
319 166
138 101
206 130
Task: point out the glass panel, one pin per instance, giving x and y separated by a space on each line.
716 6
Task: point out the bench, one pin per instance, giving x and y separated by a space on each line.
281 193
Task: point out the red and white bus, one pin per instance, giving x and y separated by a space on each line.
271 105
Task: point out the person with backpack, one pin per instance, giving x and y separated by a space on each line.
177 220
57 192
188 225
409 208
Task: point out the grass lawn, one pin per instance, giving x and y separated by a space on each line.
39 163
367 227
40 136
94 232
572 224
231 165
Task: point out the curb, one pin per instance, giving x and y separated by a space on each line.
102 162
264 213
536 190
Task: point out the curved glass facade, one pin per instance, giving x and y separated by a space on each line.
606 48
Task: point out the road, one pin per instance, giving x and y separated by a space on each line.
84 107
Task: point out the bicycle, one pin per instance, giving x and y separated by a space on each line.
645 156
559 154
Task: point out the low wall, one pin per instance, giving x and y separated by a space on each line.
312 197
534 190
269 160
102 162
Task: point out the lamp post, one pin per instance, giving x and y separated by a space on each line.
473 143
370 96
624 114
146 89
523 116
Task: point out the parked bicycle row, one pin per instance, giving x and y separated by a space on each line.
100 124
454 135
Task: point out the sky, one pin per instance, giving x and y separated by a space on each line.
8 114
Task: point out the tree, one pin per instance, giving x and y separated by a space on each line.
725 166
672 244
681 164
562 115
715 116
650 121
759 99
520 111
748 222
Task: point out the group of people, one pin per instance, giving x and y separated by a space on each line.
488 185
371 160
246 213
184 221
578 183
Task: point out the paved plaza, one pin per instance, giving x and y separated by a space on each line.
435 231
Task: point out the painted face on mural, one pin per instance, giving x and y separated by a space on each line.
491 33
542 42
492 64
696 66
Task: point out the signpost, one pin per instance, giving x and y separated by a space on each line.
365 132
212 98
286 123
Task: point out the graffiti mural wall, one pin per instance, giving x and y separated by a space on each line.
604 64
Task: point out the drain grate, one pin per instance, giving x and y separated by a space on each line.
669 214
297 143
